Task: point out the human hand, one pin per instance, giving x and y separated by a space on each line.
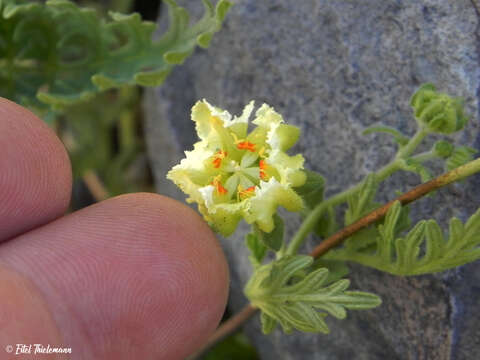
139 276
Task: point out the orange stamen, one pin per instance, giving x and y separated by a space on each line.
218 157
246 145
247 192
221 189
263 165
218 186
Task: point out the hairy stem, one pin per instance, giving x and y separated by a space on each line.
232 325
313 217
412 195
408 149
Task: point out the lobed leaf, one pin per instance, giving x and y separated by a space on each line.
460 156
296 304
57 53
423 250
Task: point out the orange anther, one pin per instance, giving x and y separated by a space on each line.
218 185
263 165
218 157
221 189
246 145
217 162
247 192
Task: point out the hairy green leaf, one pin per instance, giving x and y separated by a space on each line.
424 249
336 269
417 167
361 203
302 304
460 156
58 53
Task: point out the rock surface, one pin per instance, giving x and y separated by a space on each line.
334 68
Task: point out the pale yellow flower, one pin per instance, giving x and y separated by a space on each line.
232 174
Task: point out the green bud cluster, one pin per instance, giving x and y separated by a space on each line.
436 111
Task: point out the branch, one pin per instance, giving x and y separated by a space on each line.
234 323
406 198
95 186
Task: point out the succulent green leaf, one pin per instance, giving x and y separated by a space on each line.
57 53
399 138
302 304
424 249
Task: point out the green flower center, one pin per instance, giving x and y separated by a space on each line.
238 172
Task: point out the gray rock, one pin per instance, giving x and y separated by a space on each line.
334 68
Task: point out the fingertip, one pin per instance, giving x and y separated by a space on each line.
136 276
35 173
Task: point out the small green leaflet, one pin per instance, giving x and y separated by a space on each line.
423 250
362 203
417 167
295 305
336 269
460 156
359 205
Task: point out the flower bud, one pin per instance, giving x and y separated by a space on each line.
443 149
436 111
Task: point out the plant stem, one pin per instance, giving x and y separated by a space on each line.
227 328
408 149
455 175
231 325
313 217
425 156
95 186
